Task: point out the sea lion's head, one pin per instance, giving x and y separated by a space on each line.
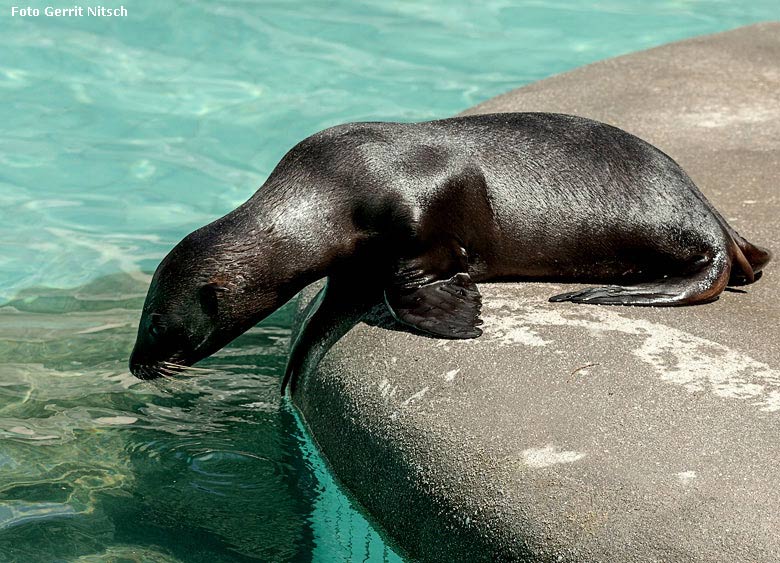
207 291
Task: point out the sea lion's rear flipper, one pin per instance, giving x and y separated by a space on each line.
657 294
702 286
447 308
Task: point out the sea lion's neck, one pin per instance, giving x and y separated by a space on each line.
292 239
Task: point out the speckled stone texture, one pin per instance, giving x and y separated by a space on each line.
582 433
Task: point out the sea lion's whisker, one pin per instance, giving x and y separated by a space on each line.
187 368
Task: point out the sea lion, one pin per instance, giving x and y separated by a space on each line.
421 212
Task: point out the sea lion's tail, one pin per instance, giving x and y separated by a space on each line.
750 258
747 259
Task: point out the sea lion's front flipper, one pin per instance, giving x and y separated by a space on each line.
330 315
447 308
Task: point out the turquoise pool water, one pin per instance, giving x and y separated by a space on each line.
117 137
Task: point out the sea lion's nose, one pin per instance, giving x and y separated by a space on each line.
143 371
143 367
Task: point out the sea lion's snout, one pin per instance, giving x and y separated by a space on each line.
154 370
145 371
171 339
142 365
168 344
149 361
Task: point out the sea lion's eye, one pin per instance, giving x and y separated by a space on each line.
156 328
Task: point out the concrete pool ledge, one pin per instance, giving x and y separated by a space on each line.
581 433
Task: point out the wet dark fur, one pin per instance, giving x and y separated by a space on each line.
398 206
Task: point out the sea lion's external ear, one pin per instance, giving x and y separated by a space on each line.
208 295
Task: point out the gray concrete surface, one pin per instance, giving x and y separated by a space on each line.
582 433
